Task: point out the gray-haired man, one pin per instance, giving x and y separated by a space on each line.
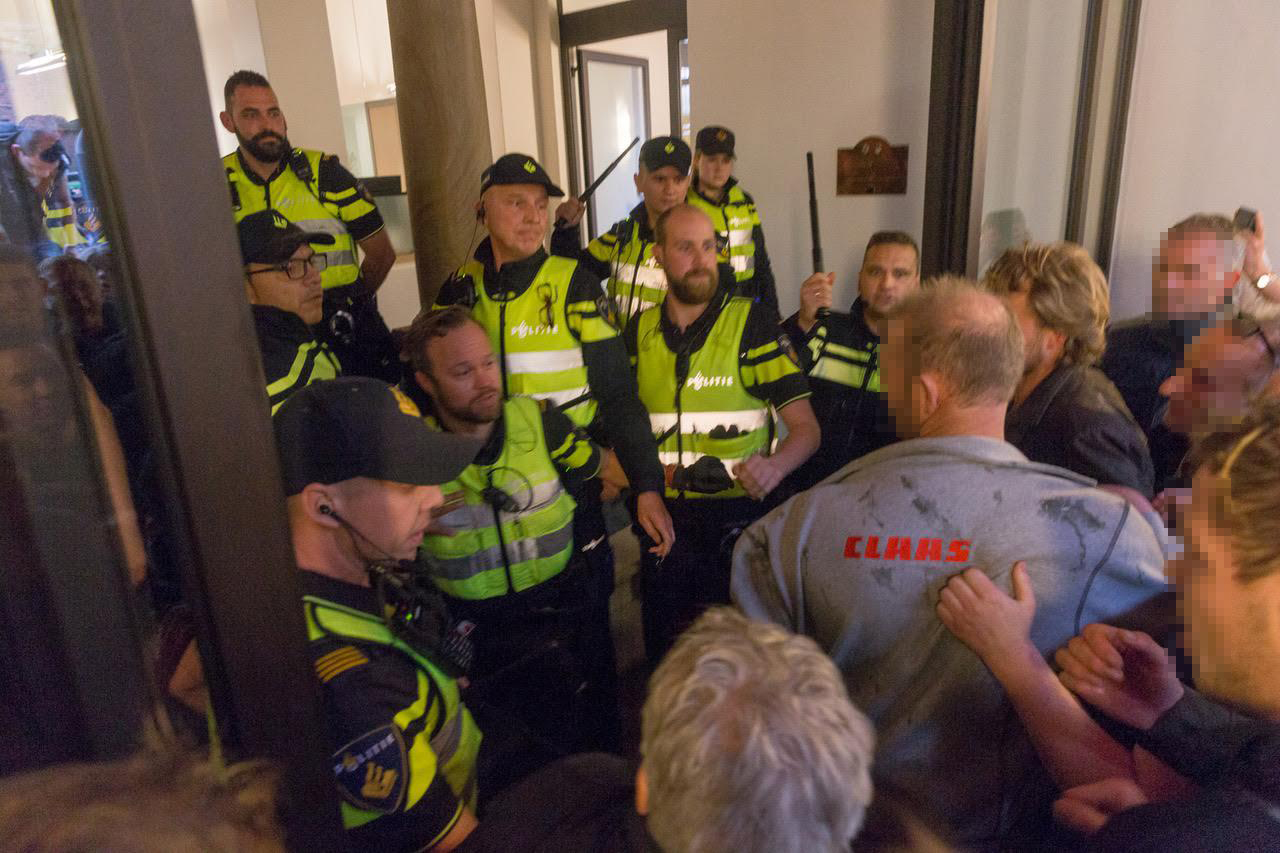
857 563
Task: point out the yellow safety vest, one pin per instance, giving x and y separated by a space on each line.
734 219
299 202
493 551
712 411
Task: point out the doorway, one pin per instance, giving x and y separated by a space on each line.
614 93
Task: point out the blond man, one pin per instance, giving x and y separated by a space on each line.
1064 411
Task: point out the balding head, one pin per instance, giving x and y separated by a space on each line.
951 359
685 246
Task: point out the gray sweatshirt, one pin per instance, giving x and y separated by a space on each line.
856 563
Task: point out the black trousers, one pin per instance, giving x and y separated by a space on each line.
676 589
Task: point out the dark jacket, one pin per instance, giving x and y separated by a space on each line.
841 357
1141 354
1076 419
1234 757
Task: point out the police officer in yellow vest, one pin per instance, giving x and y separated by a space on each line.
282 280
505 557
712 370
315 192
716 192
556 339
623 256
362 473
840 353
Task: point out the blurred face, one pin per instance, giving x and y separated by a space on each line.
1191 275
688 256
255 118
714 170
394 516
900 387
39 171
302 296
1213 387
1222 617
27 391
889 273
516 216
662 189
465 379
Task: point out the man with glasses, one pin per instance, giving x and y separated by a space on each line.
282 282
556 337
27 179
314 191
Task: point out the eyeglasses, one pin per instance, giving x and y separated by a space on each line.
54 153
296 268
547 293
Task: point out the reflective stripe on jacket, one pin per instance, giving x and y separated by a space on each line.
498 550
440 734
300 203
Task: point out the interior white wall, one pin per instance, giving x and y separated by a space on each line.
229 41
1034 85
1204 119
787 83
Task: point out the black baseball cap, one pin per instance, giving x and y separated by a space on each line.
666 151
714 139
266 237
354 426
518 169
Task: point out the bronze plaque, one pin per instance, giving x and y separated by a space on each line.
872 167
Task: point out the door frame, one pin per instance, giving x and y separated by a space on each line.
588 163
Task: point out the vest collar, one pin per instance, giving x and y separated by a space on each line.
253 176
640 216
515 276
724 196
692 339
860 320
361 598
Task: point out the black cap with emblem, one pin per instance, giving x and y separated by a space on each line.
266 237
518 169
666 151
714 139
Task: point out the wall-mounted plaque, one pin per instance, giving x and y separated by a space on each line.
872 167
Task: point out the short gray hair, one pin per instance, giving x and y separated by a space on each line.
750 743
967 336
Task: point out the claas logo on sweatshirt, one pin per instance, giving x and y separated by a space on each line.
924 549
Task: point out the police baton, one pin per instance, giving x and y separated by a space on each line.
560 223
814 234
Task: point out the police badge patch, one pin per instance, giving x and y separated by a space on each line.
372 770
722 245
608 310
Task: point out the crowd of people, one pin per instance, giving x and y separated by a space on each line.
966 565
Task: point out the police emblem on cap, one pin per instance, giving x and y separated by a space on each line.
371 770
671 147
721 135
529 167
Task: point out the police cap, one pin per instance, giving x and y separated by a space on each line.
266 237
666 151
518 169
714 139
339 429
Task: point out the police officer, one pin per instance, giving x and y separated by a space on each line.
362 474
623 256
840 353
29 175
314 191
556 340
733 213
505 557
282 279
711 367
